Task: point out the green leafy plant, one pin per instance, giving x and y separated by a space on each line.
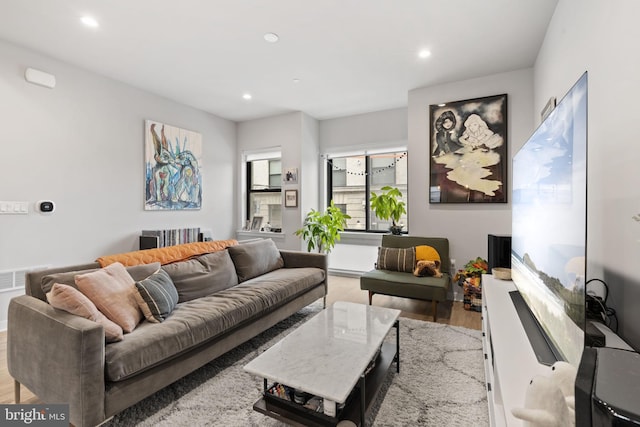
388 205
321 230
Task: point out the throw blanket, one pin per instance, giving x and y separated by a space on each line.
168 254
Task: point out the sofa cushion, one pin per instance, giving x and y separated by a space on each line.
71 300
112 290
396 259
203 275
157 296
255 258
194 322
137 272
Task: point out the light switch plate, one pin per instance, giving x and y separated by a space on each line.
14 208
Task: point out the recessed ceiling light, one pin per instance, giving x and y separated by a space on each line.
271 37
424 53
247 96
89 21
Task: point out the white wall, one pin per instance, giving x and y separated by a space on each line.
296 135
465 225
81 145
356 253
601 38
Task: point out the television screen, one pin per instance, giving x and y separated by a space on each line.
549 208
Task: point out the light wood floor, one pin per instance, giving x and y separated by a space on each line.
340 289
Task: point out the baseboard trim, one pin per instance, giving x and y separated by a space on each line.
345 273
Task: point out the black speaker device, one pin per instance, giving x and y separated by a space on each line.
608 388
499 251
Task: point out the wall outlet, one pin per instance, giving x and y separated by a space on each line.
453 264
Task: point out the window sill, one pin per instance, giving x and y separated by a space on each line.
360 238
248 234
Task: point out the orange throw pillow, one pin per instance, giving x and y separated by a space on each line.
427 253
69 299
112 290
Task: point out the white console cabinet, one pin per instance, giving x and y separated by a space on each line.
510 361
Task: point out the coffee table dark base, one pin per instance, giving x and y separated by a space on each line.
355 409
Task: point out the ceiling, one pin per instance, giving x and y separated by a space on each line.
349 56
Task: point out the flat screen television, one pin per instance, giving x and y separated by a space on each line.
549 223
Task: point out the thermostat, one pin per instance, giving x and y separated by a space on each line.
46 206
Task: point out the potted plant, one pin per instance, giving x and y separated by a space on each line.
388 205
320 230
474 268
470 278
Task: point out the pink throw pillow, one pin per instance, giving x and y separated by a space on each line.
68 298
112 290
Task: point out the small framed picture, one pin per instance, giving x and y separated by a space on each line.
256 223
290 198
290 176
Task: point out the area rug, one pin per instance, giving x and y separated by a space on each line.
441 383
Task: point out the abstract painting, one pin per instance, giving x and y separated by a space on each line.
468 151
173 167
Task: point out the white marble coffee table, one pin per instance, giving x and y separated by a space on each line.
327 357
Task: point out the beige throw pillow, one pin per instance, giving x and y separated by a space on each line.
112 290
67 298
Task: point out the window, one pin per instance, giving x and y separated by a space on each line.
352 179
264 197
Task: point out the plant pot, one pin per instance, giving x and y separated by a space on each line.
396 229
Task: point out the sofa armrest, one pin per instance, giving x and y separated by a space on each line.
297 259
58 356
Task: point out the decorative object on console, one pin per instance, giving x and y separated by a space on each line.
546 405
469 151
501 273
388 205
173 159
321 231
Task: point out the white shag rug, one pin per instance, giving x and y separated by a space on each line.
441 383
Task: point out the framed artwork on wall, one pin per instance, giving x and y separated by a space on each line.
468 151
290 176
290 198
173 168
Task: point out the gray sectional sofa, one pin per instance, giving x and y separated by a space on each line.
405 284
63 358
